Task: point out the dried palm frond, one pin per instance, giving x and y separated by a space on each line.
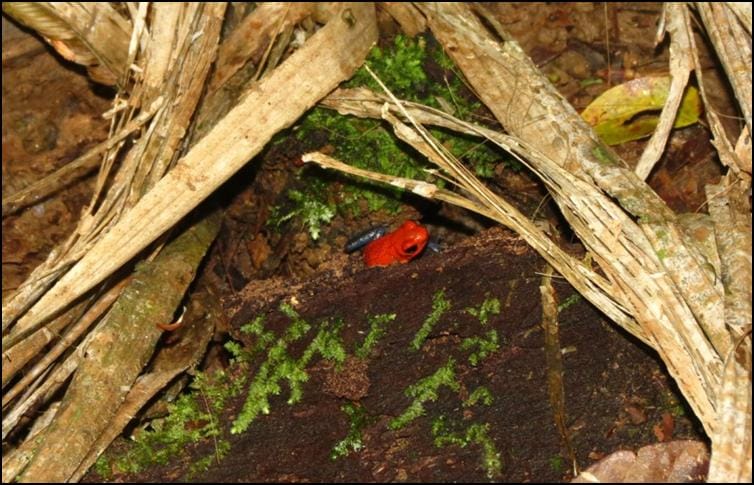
91 34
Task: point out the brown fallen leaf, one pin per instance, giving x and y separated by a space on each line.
676 461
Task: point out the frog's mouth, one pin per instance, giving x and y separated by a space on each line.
411 248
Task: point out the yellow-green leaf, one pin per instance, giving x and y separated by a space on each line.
632 110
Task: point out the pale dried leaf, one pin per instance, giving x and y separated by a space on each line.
681 64
411 21
733 46
731 447
673 462
528 106
265 110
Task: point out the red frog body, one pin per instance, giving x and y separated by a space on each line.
399 246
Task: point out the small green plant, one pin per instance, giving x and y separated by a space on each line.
426 390
103 468
443 437
439 306
236 351
327 343
476 433
312 211
192 418
377 325
279 366
358 419
222 447
490 306
400 68
480 394
568 302
369 144
556 463
256 328
484 346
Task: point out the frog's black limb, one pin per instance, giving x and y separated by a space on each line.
361 240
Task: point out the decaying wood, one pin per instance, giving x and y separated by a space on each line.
65 449
18 356
411 21
731 446
676 24
554 358
180 77
17 459
117 352
144 162
357 30
91 34
733 47
37 341
743 151
124 185
254 32
265 110
732 220
168 363
529 107
725 148
692 300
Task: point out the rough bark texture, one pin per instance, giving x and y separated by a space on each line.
270 106
117 354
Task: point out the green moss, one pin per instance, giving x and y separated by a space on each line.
192 418
603 155
327 343
556 463
477 434
443 437
256 329
370 144
482 394
358 419
490 458
377 325
103 467
426 390
400 68
490 306
313 211
280 366
568 302
236 351
222 447
484 346
439 306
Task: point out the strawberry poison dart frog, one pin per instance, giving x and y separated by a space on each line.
399 246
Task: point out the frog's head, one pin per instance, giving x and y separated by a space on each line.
413 238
